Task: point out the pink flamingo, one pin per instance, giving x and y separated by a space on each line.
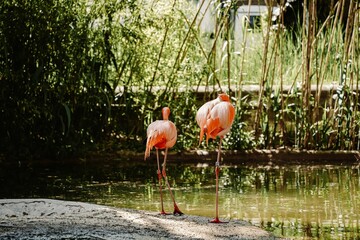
215 119
162 134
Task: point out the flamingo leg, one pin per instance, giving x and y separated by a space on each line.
217 171
176 208
160 186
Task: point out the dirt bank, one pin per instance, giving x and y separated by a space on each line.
54 219
282 157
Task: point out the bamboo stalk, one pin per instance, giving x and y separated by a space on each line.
357 78
219 25
351 53
263 77
228 55
307 57
180 51
242 61
201 49
325 63
282 119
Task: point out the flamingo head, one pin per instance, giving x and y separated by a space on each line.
165 113
224 97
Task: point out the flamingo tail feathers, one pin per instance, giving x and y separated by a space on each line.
155 139
201 134
213 125
149 146
151 141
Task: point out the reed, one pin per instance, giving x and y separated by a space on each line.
327 50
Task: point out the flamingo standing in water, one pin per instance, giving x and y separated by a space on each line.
162 134
215 119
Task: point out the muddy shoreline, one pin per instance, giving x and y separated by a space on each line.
244 157
193 157
55 219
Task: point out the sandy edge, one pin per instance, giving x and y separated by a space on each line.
55 219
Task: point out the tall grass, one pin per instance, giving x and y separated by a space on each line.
291 110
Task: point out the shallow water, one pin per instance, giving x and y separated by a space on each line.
318 202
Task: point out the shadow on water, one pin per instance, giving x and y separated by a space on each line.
318 202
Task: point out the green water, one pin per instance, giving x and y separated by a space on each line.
316 202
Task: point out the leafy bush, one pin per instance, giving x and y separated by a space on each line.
54 101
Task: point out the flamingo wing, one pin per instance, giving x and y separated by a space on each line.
223 114
203 115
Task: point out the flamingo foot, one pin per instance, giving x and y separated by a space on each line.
163 213
217 220
177 211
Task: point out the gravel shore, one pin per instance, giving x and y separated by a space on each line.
55 219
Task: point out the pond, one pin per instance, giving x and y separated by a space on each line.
318 202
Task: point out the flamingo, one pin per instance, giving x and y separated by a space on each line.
215 119
162 134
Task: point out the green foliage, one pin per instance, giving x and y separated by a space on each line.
240 137
54 101
78 76
184 113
